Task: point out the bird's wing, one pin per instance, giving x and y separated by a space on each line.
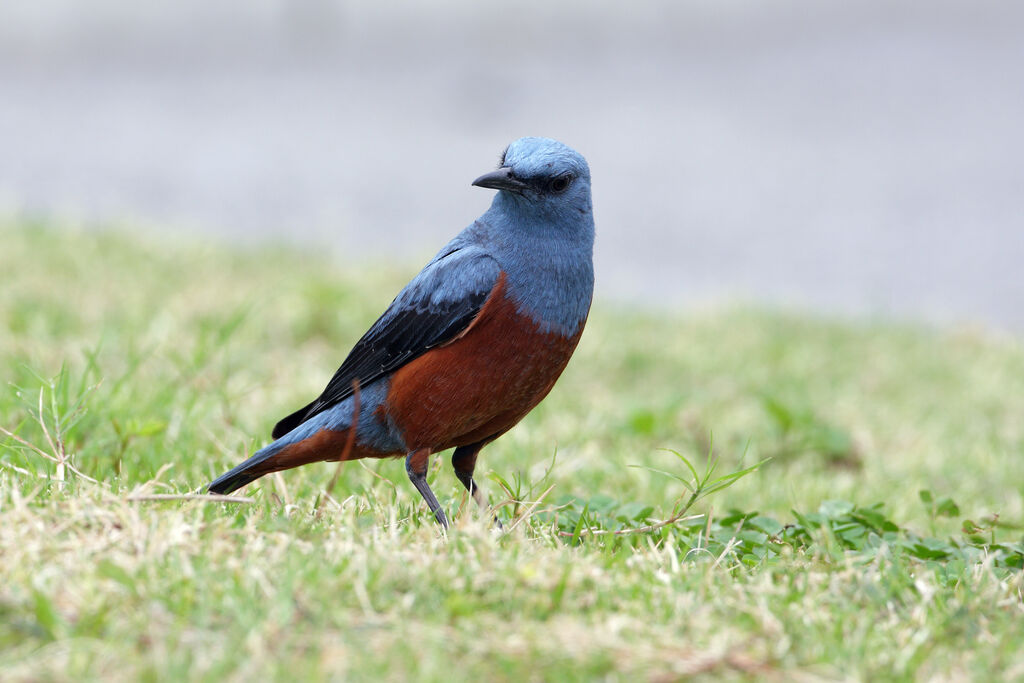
434 308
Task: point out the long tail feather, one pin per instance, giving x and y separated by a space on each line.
244 473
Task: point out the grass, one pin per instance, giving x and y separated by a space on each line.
881 539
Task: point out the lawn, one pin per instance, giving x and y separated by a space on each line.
872 528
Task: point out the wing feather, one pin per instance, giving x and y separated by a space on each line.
434 308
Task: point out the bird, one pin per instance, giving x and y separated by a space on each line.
470 345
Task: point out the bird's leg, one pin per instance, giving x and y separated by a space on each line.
464 462
416 467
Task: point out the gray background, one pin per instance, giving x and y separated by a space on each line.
851 157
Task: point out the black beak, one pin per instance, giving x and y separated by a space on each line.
502 179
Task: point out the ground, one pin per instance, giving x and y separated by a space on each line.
878 534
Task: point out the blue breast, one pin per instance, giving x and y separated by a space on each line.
549 263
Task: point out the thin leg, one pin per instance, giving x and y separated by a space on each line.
416 468
464 462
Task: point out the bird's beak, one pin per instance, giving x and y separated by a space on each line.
502 179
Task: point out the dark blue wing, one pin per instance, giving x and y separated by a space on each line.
434 308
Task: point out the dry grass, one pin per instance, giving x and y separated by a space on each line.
176 360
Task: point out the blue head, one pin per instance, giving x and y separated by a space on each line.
542 177
540 229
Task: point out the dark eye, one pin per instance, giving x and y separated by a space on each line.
561 183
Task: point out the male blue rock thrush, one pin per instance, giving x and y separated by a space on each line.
471 344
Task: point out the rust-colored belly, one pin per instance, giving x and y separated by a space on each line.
482 383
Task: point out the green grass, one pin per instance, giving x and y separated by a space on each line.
155 367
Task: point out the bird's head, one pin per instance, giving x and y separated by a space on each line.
541 175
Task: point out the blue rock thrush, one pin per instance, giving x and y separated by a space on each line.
471 344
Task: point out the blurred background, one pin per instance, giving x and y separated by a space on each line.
851 158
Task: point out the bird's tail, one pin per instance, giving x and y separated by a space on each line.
252 469
329 435
312 442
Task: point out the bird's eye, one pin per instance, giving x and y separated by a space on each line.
561 183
